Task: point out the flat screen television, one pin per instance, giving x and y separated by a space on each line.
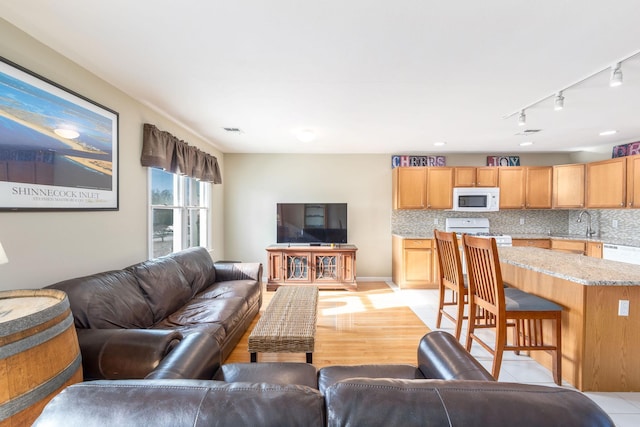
312 223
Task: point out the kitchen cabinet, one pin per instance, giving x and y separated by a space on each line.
323 266
538 187
569 246
414 262
464 176
511 181
409 187
568 186
606 183
594 249
422 188
467 176
525 187
633 182
534 243
439 188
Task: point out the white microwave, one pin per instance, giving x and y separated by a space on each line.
476 199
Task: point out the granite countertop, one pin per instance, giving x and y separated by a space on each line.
572 267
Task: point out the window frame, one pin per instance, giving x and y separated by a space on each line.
181 213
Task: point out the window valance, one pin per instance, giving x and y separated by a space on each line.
162 150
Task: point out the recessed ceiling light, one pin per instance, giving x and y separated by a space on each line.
608 132
66 133
439 143
526 143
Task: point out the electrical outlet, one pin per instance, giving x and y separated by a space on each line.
623 307
435 221
521 221
614 223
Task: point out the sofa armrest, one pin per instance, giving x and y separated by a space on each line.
135 353
226 271
440 356
196 357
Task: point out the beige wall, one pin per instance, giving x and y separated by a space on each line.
45 247
254 183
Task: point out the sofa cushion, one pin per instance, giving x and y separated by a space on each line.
245 289
269 372
111 299
330 375
197 267
163 284
227 312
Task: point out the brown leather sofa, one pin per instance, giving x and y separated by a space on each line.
457 391
183 307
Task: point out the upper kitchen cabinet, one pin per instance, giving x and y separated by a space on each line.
469 176
568 186
409 188
525 187
633 181
422 188
538 187
511 181
439 188
606 183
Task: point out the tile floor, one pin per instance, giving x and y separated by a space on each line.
623 408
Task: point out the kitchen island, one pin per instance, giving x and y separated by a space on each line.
600 348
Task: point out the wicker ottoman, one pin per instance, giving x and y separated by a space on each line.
288 325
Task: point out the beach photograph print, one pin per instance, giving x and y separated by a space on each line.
58 150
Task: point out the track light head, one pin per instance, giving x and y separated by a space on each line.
522 119
559 102
616 75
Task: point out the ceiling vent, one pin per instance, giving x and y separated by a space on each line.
235 130
529 132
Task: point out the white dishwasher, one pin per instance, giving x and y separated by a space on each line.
630 254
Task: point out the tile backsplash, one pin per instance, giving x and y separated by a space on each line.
526 221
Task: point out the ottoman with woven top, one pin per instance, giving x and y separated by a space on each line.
288 324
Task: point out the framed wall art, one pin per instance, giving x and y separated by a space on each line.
58 149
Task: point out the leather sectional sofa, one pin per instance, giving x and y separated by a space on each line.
176 316
448 387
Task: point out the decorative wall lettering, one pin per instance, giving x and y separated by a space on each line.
503 160
418 161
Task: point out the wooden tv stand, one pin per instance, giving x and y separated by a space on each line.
323 266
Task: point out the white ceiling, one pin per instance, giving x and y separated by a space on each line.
368 76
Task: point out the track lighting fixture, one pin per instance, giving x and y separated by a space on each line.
616 75
615 80
559 102
522 119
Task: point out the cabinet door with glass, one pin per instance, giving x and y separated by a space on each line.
326 267
297 267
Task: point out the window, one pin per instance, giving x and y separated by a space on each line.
179 213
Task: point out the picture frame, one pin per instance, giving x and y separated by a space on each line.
58 149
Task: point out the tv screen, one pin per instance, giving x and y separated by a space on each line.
312 223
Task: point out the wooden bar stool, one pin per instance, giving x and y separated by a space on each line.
450 278
491 305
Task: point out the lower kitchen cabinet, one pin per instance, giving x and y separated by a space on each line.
533 243
414 263
569 246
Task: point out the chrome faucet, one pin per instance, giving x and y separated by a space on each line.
590 232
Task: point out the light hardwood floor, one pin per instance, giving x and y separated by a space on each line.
370 325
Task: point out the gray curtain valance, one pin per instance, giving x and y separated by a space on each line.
162 150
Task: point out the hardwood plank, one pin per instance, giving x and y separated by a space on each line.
371 325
